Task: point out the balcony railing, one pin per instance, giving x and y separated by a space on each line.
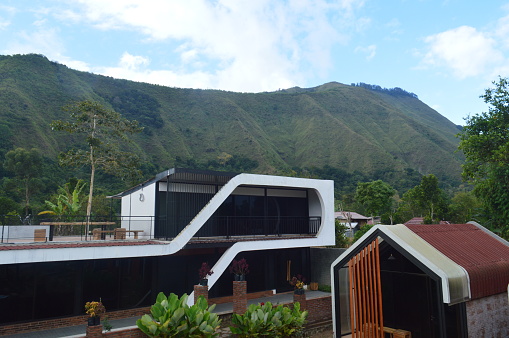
130 227
231 226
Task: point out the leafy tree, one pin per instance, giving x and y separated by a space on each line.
375 196
464 207
430 196
485 142
409 207
341 240
7 205
105 131
361 232
26 165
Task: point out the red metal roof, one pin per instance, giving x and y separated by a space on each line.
485 258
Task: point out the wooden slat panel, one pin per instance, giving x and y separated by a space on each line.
366 317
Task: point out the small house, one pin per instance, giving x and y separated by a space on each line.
436 280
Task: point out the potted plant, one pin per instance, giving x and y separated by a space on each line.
95 310
298 284
204 272
240 269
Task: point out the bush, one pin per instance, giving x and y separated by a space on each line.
365 228
266 320
172 317
324 288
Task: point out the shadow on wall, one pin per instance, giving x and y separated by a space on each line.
321 261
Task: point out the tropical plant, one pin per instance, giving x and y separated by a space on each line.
67 202
172 317
267 320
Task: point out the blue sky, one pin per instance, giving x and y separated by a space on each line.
447 52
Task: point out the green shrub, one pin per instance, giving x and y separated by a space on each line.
324 288
267 320
172 317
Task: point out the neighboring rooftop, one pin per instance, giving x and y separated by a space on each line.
353 215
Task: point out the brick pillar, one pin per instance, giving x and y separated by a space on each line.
239 297
201 290
95 331
301 299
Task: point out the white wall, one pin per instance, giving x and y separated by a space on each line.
24 233
139 207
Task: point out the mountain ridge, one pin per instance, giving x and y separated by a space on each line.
336 125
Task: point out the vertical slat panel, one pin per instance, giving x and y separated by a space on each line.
369 287
358 300
366 317
379 289
373 286
362 288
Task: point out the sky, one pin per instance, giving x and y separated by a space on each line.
445 51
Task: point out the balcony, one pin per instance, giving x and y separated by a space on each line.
225 228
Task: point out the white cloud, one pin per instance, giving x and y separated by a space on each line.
465 50
257 45
132 62
369 50
42 41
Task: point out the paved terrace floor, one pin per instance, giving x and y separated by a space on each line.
79 330
69 241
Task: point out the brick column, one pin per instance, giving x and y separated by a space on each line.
301 299
95 331
201 290
239 297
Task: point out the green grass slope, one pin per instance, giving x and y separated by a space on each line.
337 125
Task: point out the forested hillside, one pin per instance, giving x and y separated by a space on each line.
346 132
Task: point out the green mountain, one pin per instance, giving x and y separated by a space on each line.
378 133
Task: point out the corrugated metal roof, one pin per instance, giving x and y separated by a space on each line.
484 256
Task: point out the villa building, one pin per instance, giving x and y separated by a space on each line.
169 226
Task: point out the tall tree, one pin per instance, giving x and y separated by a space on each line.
105 132
430 196
376 196
26 165
464 207
485 142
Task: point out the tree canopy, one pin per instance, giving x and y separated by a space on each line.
485 142
375 196
26 166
